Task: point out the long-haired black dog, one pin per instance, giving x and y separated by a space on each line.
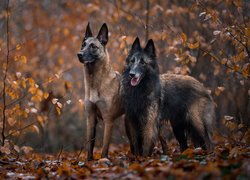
150 99
141 93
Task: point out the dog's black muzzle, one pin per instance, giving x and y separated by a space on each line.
135 71
131 74
83 58
80 56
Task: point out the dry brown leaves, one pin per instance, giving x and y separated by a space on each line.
225 161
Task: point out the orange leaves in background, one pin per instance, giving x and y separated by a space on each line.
58 109
246 70
58 105
219 90
193 46
37 93
18 47
11 121
45 95
183 37
24 59
46 79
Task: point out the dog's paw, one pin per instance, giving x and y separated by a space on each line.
105 161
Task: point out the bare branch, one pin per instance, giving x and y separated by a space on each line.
147 21
59 155
218 61
5 73
21 129
239 41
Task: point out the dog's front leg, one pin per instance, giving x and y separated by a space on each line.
148 142
91 129
129 134
150 132
108 125
162 136
134 137
149 138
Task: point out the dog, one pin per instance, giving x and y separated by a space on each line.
150 99
101 84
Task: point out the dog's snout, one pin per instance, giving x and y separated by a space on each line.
132 74
80 55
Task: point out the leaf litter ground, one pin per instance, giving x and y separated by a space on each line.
227 161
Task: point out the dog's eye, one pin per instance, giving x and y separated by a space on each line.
93 46
83 44
132 60
143 63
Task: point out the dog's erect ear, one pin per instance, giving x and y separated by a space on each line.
88 32
150 48
103 35
136 45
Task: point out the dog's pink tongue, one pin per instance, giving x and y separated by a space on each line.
134 81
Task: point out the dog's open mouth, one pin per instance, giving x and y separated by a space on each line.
88 62
135 80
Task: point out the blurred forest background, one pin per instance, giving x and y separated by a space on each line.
41 89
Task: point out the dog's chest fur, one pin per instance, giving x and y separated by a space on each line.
102 89
101 86
94 95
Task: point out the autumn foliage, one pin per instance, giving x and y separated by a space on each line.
41 89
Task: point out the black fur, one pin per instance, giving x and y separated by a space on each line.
138 98
175 96
103 35
88 32
177 99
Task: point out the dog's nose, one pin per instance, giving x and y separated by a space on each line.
131 74
79 55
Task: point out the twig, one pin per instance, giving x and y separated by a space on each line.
5 74
52 79
82 149
2 162
136 17
120 29
16 101
239 41
147 21
58 157
78 156
21 129
24 42
201 4
218 61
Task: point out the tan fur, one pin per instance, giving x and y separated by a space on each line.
182 81
196 113
102 100
201 110
150 131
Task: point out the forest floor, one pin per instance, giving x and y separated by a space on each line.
227 161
